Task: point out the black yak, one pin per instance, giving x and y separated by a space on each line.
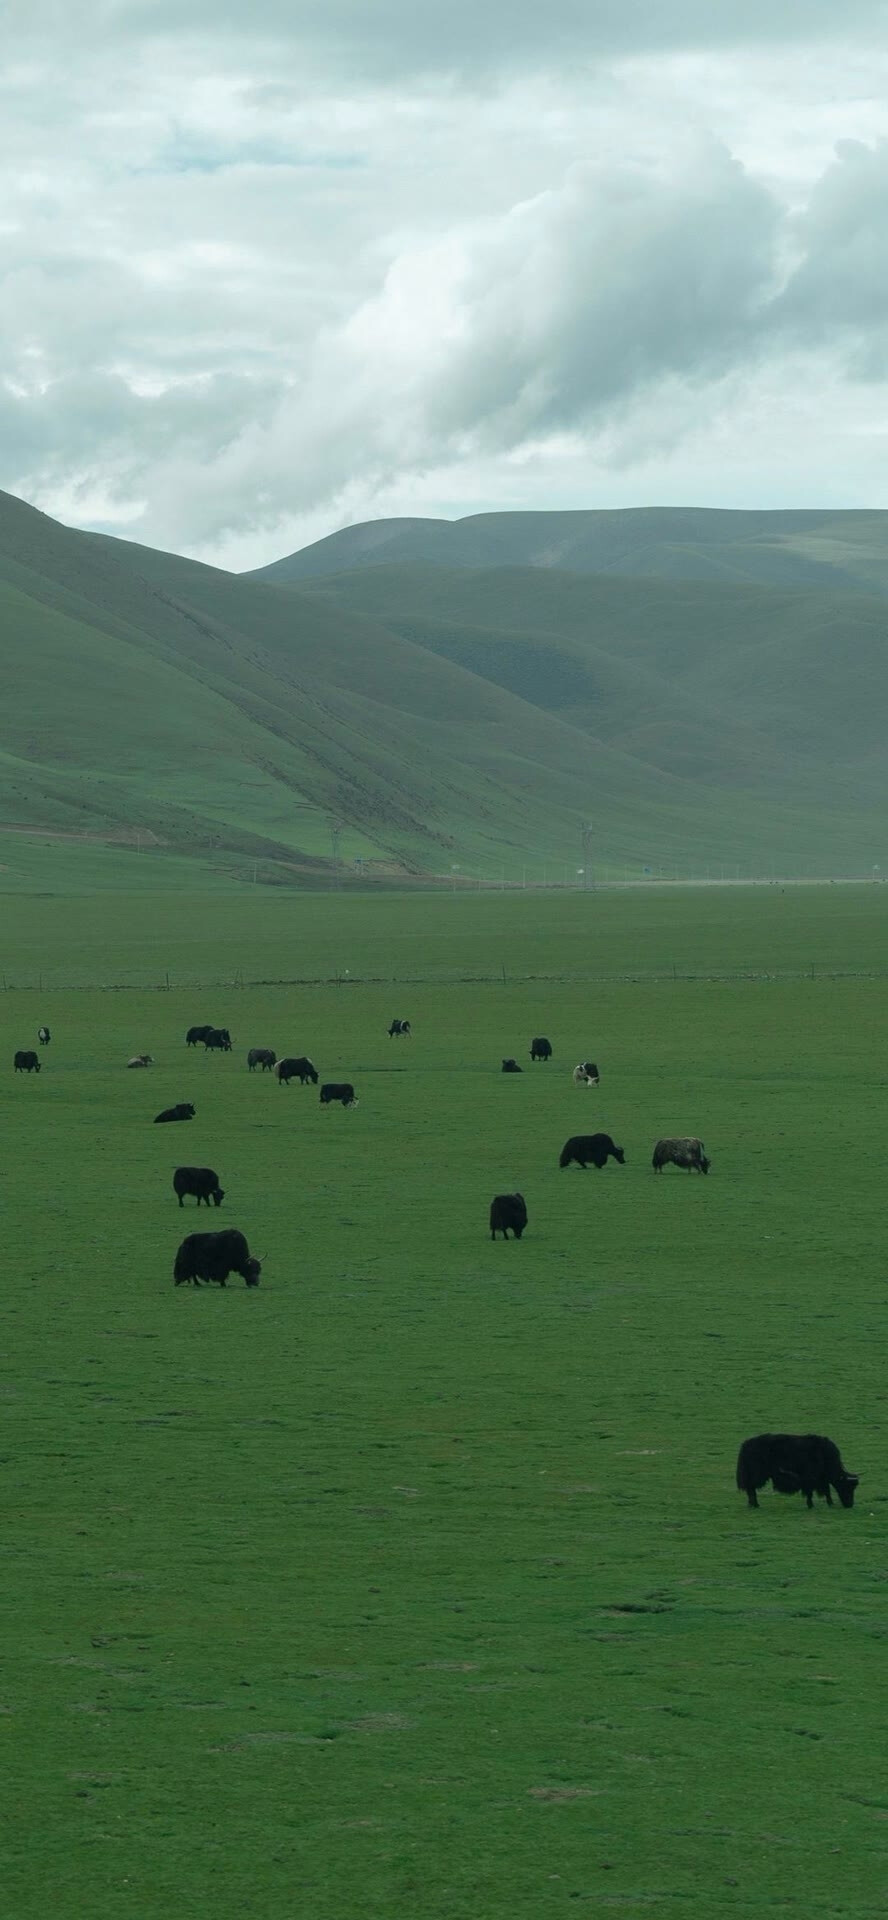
182 1112
26 1063
217 1040
688 1153
261 1057
591 1149
196 1035
202 1182
213 1256
507 1210
511 1066
541 1049
141 1060
586 1074
301 1070
795 1463
399 1027
44 1036
341 1090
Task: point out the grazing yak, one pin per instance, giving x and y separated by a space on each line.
261 1057
805 1463
511 1066
26 1063
196 1036
586 1074
591 1149
202 1182
44 1036
217 1040
182 1112
399 1027
507 1210
541 1049
341 1090
301 1070
681 1153
213 1256
141 1060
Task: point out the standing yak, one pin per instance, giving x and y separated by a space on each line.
805 1463
26 1062
541 1049
261 1057
217 1040
202 1182
196 1035
688 1152
44 1036
213 1256
591 1149
301 1070
341 1090
507 1210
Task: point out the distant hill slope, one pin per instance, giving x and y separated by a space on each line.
842 551
438 719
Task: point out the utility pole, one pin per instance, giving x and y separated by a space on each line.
586 843
335 837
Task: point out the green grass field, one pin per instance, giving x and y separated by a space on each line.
415 1583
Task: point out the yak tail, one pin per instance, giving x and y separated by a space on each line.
742 1486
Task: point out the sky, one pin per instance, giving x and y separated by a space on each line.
269 269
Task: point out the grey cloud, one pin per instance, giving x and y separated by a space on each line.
840 284
378 38
586 297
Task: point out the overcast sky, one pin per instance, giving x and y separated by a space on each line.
267 268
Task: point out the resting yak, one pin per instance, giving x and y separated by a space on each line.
196 1035
141 1060
511 1066
44 1036
688 1153
805 1463
541 1049
213 1256
341 1090
301 1070
591 1149
586 1074
399 1027
507 1210
26 1063
217 1040
261 1057
202 1182
182 1112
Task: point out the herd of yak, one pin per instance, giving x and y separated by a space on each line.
794 1463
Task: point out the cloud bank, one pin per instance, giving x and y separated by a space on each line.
375 258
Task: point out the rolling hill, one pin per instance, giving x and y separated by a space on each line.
841 552
436 719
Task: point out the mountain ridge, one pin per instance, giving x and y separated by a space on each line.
426 720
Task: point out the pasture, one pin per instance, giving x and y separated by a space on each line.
415 1582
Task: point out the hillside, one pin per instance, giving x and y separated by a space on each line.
841 552
442 720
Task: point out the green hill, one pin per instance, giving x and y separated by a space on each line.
435 719
839 551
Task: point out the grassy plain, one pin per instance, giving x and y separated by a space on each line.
415 1582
